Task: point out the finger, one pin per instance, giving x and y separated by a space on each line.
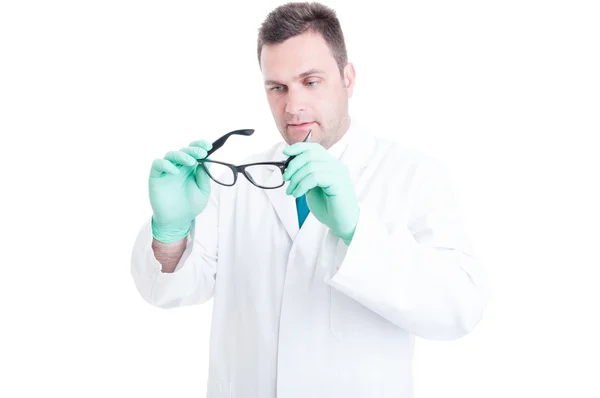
300 147
180 158
324 179
309 168
160 166
195 151
207 146
306 184
300 161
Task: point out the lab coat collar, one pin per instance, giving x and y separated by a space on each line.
354 149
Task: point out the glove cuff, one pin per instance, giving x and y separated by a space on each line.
171 233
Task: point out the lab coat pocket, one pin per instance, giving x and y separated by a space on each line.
218 389
336 322
348 318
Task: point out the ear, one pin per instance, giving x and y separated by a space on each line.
349 78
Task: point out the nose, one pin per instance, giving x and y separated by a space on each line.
295 101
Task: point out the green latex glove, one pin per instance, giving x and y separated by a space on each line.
327 185
179 188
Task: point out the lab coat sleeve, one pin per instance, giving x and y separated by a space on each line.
421 275
193 280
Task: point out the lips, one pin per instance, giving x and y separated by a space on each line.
300 124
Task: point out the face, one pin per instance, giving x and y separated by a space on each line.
305 90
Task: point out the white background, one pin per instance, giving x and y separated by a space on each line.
505 93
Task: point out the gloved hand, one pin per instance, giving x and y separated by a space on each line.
326 182
179 188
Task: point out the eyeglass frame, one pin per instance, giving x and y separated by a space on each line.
281 165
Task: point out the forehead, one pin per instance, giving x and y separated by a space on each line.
300 53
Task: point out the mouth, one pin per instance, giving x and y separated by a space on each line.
300 124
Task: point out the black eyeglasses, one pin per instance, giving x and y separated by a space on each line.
265 175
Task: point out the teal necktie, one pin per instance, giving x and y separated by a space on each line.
302 208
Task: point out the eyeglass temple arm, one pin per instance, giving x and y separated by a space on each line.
221 141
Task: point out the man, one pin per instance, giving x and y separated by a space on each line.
324 304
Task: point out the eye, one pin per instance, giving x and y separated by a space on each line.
277 89
314 81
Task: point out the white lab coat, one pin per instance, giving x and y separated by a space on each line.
296 312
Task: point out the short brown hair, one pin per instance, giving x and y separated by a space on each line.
293 19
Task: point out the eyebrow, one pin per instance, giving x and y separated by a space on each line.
300 76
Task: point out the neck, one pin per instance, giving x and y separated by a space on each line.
342 129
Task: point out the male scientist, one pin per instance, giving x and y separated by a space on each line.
322 269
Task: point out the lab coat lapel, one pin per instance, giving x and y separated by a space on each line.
357 154
285 206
